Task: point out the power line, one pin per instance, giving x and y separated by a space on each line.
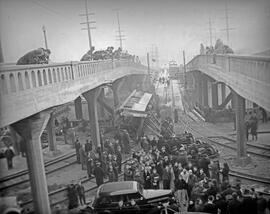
120 36
88 28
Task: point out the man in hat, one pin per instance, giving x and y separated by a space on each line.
9 154
99 173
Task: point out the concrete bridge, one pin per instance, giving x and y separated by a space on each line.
28 89
30 93
247 77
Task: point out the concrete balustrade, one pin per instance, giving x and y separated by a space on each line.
16 78
29 89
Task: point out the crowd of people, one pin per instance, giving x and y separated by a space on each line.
108 53
219 48
199 183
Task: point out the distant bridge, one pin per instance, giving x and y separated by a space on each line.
248 76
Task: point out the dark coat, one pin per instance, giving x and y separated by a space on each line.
99 174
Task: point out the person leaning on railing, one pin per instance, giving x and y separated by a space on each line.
38 56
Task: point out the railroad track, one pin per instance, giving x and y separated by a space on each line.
230 143
22 177
214 139
59 196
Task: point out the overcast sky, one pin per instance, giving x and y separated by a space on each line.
171 25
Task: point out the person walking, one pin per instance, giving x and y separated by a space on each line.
9 154
88 146
166 177
225 172
80 191
82 158
175 116
254 127
77 148
181 194
99 174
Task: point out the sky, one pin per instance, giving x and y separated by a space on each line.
170 25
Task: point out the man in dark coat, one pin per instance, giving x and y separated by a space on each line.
204 164
99 174
261 203
210 207
77 148
9 154
234 206
221 204
175 116
249 204
88 146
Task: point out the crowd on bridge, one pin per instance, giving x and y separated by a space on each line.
42 56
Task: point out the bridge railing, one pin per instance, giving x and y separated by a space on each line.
19 78
255 67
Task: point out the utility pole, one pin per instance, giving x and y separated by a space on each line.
157 57
45 36
1 53
185 73
88 28
210 31
148 65
120 35
227 29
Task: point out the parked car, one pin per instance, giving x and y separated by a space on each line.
9 205
129 197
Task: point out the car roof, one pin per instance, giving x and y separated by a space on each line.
118 188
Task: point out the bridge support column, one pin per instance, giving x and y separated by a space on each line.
240 125
102 97
205 91
30 130
223 92
115 87
198 82
91 98
240 109
214 95
78 108
51 135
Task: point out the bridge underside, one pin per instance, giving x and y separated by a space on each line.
253 90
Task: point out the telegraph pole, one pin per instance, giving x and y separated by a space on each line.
227 29
210 31
120 35
1 53
185 73
45 36
88 28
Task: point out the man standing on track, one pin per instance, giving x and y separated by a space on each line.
9 154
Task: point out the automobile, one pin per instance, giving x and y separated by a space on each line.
10 205
129 197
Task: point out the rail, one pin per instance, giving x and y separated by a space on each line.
18 78
255 67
